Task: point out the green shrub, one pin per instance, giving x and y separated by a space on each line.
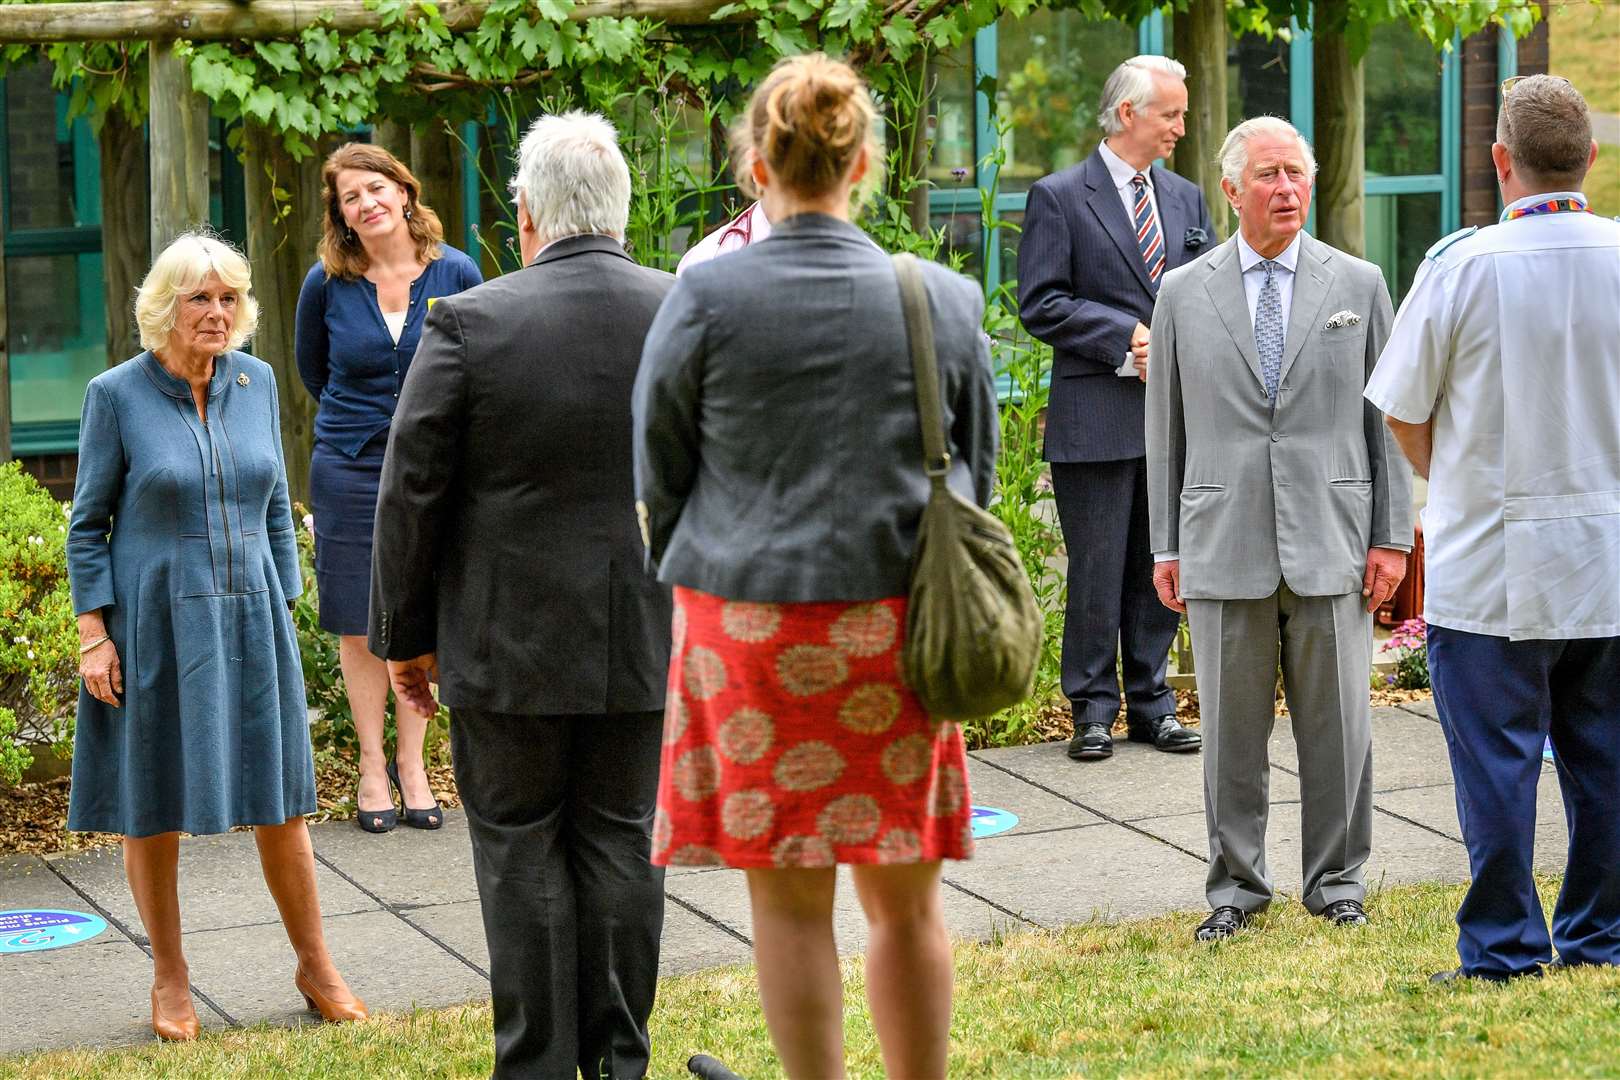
39 643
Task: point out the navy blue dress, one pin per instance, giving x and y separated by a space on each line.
182 536
354 369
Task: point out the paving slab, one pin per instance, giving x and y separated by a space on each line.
1077 875
458 926
1036 809
1408 750
248 970
1425 707
26 882
406 867
723 896
221 884
1137 782
1436 807
693 944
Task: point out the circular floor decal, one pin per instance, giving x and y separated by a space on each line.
30 931
989 820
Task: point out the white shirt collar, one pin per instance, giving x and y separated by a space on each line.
1121 171
1538 199
1288 259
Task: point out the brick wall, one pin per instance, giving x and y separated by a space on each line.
1480 79
55 471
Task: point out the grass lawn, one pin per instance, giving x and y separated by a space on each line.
1292 997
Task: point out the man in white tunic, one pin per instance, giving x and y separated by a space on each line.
1501 382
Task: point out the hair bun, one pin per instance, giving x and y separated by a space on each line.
808 121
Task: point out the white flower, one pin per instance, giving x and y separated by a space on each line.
30 654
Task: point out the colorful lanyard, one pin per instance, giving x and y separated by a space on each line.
1551 206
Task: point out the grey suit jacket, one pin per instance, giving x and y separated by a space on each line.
778 449
1248 494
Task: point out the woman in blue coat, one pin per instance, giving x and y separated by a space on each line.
383 261
183 566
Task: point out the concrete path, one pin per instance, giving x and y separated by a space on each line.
1109 840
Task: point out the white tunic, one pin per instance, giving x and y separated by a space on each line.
1510 340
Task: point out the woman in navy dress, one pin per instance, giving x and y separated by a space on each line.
383 261
183 565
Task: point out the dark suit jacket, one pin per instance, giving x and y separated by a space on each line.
1082 288
506 536
778 448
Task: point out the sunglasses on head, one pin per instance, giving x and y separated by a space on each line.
1509 83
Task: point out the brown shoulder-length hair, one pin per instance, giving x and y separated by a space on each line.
341 252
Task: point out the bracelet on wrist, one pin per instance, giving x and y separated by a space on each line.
94 644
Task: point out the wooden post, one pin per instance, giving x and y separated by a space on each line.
1200 35
1340 125
394 137
281 246
125 230
436 161
5 360
178 123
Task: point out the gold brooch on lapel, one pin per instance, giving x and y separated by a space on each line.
242 379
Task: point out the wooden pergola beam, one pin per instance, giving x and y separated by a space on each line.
231 20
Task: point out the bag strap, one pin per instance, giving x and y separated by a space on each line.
925 366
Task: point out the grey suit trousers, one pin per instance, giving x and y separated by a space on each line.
1325 644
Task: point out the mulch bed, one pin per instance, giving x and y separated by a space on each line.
33 817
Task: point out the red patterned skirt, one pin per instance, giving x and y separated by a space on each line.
791 741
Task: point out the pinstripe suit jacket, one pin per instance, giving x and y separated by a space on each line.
1082 288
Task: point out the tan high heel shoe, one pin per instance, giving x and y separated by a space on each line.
168 1030
333 1012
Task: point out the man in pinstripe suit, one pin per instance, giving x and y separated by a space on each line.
1098 238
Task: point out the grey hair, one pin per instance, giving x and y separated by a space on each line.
1234 157
572 177
1132 81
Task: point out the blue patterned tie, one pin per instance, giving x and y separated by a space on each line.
1268 328
1148 240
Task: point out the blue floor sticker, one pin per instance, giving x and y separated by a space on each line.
30 931
989 820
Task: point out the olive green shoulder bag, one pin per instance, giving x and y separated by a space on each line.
973 629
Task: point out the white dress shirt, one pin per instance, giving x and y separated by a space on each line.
1122 172
1510 342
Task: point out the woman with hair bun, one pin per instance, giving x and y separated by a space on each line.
779 468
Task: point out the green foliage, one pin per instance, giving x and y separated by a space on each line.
1437 20
333 731
39 644
1410 645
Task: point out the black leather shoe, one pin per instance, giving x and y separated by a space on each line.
1167 734
1091 742
1222 923
1345 913
1458 975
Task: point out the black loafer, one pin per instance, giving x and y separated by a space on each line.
1222 923
1345 913
1458 975
1091 742
1167 734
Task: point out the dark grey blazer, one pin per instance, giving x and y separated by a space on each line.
778 449
506 534
1082 288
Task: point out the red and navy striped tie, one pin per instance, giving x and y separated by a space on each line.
1148 240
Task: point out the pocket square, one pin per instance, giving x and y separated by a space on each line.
1342 318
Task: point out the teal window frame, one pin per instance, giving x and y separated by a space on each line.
1150 40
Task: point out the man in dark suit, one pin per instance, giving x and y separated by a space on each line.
508 568
1098 238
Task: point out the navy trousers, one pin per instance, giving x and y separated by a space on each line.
1498 701
1113 616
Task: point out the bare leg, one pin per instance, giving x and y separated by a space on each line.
908 967
288 862
365 680
152 866
797 960
411 727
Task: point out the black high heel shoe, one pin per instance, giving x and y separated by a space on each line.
375 821
431 818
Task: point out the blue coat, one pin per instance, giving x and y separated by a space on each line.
182 534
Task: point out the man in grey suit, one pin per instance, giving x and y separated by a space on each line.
1281 518
508 567
1098 239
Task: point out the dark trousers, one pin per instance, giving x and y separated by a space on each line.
1498 701
560 810
1113 610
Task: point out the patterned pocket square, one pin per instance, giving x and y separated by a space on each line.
1343 318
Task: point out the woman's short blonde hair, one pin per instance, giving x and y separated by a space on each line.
181 268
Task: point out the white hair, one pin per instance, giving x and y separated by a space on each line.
572 177
178 271
1234 158
1132 81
